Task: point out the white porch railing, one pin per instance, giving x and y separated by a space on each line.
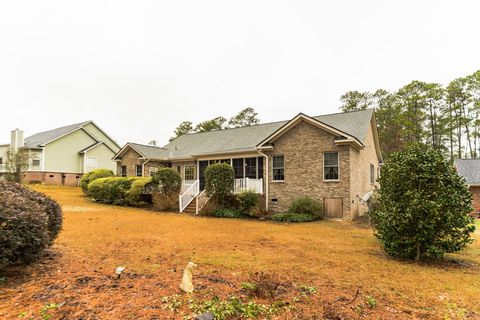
187 184
255 185
188 195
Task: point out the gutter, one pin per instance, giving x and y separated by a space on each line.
267 179
143 167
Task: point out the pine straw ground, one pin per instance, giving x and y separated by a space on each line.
337 258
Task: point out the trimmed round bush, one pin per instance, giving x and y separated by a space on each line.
247 202
306 205
219 179
94 175
294 217
168 181
29 222
135 196
424 206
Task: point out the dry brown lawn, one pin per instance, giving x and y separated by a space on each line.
335 257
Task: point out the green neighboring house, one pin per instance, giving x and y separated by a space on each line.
60 156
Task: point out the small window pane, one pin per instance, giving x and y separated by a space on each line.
331 159
278 161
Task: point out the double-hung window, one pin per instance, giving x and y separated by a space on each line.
123 171
91 162
139 171
278 168
330 166
189 173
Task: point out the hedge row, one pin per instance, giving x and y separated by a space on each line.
94 175
29 222
119 190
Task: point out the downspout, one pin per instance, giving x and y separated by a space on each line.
267 178
143 167
43 159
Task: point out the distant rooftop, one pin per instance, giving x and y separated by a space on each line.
469 169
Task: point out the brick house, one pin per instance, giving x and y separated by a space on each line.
470 170
332 158
60 156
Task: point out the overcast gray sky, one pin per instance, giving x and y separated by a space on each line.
138 68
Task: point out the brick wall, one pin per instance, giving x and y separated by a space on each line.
182 165
130 159
302 147
54 178
476 198
152 164
360 173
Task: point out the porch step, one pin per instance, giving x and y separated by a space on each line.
190 209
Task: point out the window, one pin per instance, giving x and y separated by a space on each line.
278 168
35 163
139 171
152 170
251 168
372 174
123 171
189 173
1 160
238 168
91 162
330 166
260 168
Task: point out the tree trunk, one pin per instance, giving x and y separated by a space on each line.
418 257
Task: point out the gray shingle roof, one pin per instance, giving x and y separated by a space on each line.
151 152
41 138
247 138
469 169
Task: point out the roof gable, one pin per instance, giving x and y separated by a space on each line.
314 121
145 151
42 138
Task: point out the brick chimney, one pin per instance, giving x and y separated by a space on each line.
16 139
